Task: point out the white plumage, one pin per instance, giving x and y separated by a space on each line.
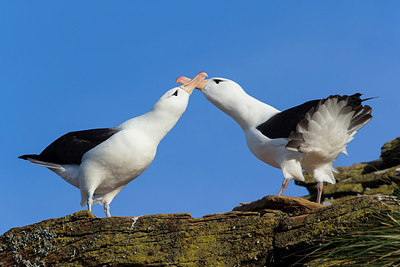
101 162
309 136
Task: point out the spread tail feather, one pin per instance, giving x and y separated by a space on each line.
327 128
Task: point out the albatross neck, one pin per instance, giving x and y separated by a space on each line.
247 111
155 123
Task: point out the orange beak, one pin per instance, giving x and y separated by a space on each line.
198 82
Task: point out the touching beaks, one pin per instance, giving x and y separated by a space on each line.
198 82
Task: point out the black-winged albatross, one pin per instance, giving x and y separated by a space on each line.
309 136
100 162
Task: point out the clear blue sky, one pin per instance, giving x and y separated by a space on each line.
75 65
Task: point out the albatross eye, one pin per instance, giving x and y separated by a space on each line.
176 93
217 81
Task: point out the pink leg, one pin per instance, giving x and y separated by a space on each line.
320 187
285 183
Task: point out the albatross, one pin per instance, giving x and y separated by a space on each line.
101 162
306 137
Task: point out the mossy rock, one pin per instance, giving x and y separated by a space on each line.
374 179
390 153
354 170
238 238
386 190
341 189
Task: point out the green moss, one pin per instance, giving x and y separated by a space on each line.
342 188
373 179
354 170
382 190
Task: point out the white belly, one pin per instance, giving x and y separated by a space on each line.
274 153
270 151
116 162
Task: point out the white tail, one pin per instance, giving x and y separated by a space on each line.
327 128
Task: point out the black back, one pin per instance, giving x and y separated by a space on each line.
283 123
70 148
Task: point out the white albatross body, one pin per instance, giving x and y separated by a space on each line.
101 162
309 136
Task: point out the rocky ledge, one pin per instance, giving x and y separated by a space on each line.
273 231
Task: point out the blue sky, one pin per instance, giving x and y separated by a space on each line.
75 65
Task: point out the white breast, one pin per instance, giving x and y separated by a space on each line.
118 160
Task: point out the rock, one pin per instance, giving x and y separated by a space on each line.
374 165
390 153
386 190
290 205
339 189
227 239
390 156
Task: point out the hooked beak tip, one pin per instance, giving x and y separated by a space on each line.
179 79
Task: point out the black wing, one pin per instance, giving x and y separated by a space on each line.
69 148
283 123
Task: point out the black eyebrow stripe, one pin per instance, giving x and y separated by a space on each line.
217 81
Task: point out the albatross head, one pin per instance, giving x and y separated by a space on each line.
176 99
223 93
